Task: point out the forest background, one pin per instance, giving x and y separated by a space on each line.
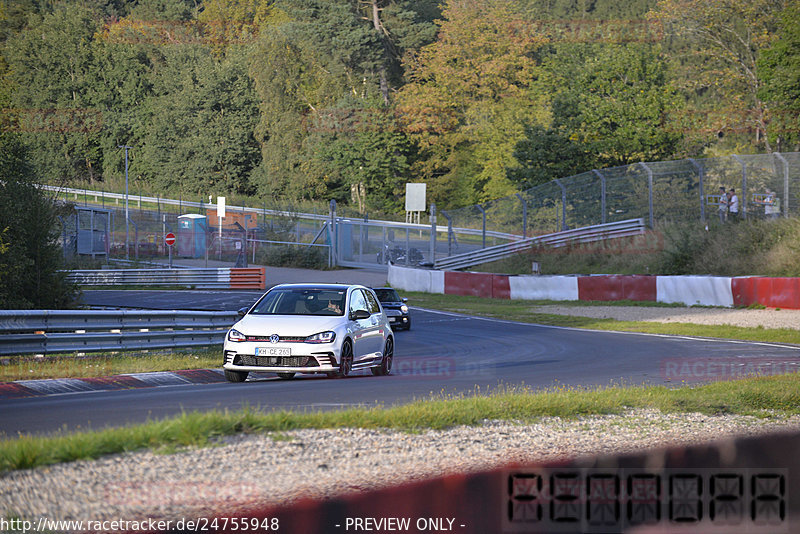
312 100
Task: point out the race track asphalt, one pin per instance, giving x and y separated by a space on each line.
443 353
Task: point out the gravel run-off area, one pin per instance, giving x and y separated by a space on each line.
247 471
766 318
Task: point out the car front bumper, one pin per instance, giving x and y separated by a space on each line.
243 358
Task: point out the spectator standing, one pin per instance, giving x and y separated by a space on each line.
733 205
723 205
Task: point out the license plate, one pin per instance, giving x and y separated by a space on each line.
272 351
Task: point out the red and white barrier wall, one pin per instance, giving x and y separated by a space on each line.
688 290
691 290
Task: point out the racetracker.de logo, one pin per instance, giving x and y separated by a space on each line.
441 368
702 369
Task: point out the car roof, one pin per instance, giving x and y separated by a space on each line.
327 286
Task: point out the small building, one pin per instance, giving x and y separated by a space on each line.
93 225
192 230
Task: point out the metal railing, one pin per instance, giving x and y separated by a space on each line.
580 235
68 331
217 278
197 278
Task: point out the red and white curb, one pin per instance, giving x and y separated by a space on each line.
65 386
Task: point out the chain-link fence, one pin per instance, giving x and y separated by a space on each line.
100 230
766 185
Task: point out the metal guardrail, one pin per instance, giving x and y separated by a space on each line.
64 331
198 278
587 234
215 278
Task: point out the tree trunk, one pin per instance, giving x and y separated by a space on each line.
376 23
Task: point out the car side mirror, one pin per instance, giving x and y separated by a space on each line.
405 300
243 311
359 315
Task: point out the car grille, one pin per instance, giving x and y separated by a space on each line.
275 361
282 339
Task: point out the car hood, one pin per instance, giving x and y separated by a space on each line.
286 325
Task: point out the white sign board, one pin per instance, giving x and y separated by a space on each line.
221 207
415 197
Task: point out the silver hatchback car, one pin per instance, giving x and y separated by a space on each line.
310 328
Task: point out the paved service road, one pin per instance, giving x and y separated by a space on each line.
203 300
442 352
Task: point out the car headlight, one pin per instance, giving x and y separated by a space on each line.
322 337
404 308
235 335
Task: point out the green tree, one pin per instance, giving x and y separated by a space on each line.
780 69
325 78
29 254
363 154
50 62
546 154
616 103
469 95
196 130
718 66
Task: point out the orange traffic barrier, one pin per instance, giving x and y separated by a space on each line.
249 278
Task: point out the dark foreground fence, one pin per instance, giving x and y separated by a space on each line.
734 486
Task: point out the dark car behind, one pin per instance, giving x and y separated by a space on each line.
395 307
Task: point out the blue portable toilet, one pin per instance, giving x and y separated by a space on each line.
192 235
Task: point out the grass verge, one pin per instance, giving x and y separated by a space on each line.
775 396
525 311
93 365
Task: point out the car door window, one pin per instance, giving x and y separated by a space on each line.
357 301
374 307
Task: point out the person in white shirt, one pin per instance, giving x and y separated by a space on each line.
733 206
723 205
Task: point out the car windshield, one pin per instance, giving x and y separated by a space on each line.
300 301
387 294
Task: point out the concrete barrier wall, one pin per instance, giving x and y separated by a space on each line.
410 279
617 287
468 284
692 290
544 287
771 292
688 290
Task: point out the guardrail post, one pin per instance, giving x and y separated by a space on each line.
63 238
743 210
244 244
649 191
408 243
563 204
602 195
135 238
701 177
785 183
450 233
432 247
332 248
483 227
524 216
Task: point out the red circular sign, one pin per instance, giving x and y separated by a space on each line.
169 239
